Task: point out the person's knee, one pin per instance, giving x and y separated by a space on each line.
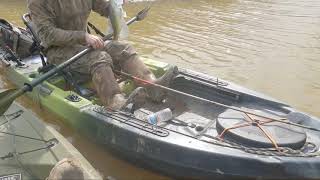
98 58
120 51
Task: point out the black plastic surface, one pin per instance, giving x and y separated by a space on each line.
251 135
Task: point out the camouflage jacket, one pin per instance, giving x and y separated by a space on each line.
61 23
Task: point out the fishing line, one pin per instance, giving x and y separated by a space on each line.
281 120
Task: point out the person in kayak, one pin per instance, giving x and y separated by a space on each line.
61 27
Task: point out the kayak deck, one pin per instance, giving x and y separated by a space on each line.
30 149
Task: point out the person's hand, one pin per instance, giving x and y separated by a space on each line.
94 41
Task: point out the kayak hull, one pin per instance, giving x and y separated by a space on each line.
191 158
181 152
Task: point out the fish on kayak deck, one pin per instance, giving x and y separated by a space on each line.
29 149
218 130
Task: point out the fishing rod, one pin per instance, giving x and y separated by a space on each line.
7 97
212 102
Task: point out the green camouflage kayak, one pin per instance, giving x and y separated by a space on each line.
217 129
29 149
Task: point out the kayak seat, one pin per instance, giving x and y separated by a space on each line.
78 85
26 18
69 80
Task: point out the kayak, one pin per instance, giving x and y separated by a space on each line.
215 130
204 140
29 149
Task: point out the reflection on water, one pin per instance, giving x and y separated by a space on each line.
268 45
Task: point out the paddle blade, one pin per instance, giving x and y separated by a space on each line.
143 13
6 99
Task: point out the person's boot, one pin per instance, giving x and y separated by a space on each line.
117 102
157 94
136 67
109 92
107 88
137 97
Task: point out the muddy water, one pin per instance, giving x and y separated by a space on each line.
267 45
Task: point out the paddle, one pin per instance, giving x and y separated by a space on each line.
7 97
212 102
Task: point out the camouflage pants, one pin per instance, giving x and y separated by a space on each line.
114 53
96 66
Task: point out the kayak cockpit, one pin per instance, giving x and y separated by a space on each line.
211 122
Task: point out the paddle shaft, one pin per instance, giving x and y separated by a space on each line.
211 102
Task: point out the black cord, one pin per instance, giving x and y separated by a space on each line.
27 137
10 154
15 116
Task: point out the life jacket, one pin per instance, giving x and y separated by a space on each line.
17 39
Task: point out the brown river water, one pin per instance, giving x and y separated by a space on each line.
270 46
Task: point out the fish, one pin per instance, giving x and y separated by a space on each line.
115 17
